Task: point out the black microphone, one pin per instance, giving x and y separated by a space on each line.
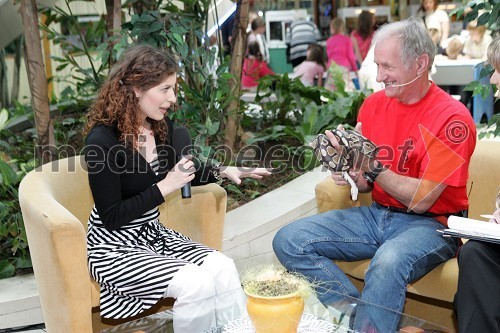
181 141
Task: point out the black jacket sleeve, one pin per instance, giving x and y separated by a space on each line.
123 185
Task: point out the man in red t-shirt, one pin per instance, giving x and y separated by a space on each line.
418 179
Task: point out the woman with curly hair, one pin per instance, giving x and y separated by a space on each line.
132 167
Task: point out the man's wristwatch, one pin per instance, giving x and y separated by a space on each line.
215 170
372 175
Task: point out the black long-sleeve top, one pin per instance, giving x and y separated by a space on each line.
121 180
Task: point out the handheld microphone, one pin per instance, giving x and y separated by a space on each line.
405 84
181 142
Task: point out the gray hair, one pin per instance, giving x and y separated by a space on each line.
413 37
494 53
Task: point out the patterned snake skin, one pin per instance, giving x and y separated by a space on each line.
352 144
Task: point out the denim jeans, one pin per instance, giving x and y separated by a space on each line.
402 247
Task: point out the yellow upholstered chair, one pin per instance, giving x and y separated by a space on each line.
56 201
441 283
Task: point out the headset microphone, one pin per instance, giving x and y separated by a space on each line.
405 84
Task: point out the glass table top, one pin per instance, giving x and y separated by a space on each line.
347 315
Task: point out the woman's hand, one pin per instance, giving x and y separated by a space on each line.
181 174
236 173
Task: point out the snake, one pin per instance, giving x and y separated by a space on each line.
352 144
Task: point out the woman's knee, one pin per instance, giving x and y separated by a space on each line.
193 282
223 270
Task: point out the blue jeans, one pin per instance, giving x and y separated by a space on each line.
402 247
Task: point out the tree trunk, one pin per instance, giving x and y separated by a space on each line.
17 69
113 24
239 38
45 148
4 86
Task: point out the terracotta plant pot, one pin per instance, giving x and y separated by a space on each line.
277 314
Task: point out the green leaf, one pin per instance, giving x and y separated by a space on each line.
23 262
4 118
9 176
6 269
178 38
459 11
471 86
483 19
234 188
495 13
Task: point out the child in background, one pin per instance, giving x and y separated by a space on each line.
476 45
454 48
339 47
257 34
340 50
313 66
254 67
435 36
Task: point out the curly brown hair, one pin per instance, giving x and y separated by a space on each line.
141 67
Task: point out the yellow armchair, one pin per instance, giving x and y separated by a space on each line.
437 288
56 201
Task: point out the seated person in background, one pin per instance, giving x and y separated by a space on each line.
339 47
314 66
258 35
417 182
477 301
476 45
454 48
299 36
253 67
434 33
131 169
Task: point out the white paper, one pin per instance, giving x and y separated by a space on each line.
475 226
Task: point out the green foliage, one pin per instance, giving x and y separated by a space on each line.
82 41
14 252
68 129
204 92
292 110
492 128
486 12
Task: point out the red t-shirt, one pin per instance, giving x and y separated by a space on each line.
437 128
253 70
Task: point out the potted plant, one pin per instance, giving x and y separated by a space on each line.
275 299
